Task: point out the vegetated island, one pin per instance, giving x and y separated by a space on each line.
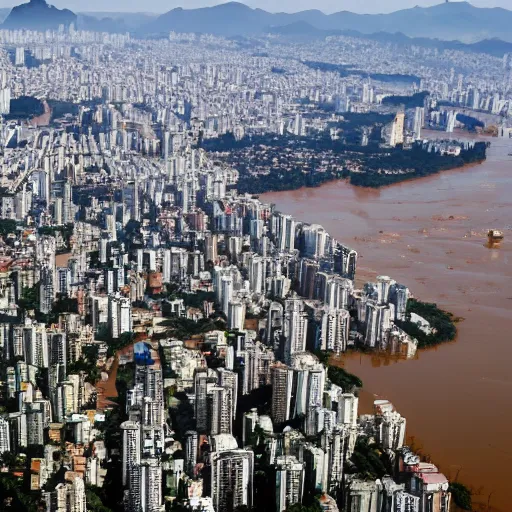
274 163
441 324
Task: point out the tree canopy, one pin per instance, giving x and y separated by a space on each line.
461 496
441 322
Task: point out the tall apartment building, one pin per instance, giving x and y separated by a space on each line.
282 382
220 410
5 441
67 497
295 328
258 361
397 130
47 289
131 448
232 473
191 447
119 315
229 379
334 331
201 400
58 353
289 482
151 485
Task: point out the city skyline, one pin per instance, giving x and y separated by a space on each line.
176 337
289 6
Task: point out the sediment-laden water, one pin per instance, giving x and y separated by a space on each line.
430 234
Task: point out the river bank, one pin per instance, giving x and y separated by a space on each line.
430 234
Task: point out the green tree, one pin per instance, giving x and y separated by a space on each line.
461 496
441 322
87 364
8 459
344 379
29 298
64 304
7 226
95 499
124 340
14 497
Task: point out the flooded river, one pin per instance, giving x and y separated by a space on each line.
430 235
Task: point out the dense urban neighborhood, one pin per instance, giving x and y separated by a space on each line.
168 339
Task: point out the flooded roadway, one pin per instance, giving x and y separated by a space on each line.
430 235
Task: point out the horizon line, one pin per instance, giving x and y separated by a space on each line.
247 4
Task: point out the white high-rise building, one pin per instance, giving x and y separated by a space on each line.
298 128
334 443
289 482
5 441
308 383
390 424
131 447
19 58
35 427
35 345
334 333
226 293
150 486
191 446
119 315
232 473
5 100
220 399
229 379
316 240
47 289
295 328
397 130
67 497
236 315
201 400
77 498
476 99
378 324
257 369
383 289
256 275
347 409
315 468
419 120
283 228
282 384
450 121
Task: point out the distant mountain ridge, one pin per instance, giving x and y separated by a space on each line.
302 30
455 25
113 21
447 21
103 24
38 15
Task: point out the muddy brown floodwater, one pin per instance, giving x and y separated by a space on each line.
430 235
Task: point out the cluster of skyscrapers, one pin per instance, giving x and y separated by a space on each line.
127 252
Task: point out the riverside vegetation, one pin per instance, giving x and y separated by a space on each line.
271 163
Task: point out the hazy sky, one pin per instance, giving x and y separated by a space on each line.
363 6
